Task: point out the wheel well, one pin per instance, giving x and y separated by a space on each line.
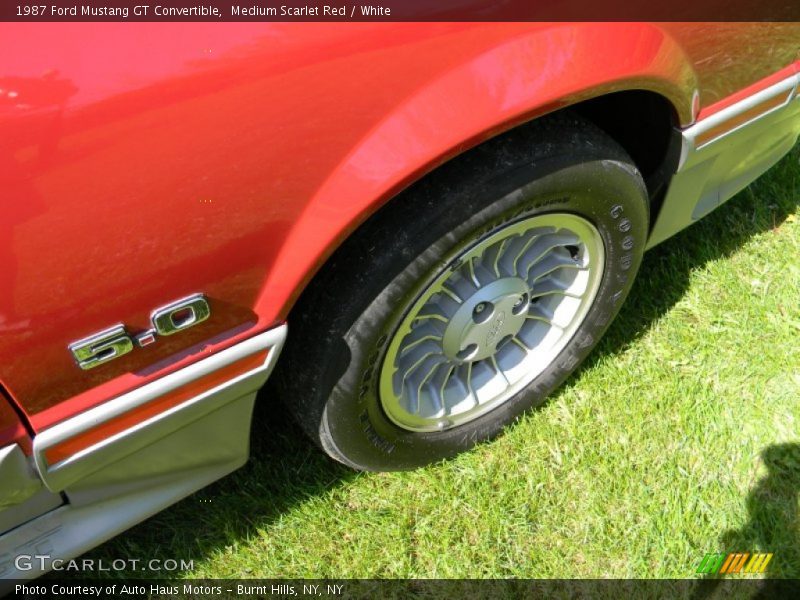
644 124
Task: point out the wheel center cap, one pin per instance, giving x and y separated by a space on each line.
487 320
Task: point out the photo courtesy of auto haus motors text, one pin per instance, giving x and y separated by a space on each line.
187 590
255 11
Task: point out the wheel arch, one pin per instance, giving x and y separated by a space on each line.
644 76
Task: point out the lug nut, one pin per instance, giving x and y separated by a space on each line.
520 305
482 312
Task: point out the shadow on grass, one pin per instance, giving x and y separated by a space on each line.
286 469
773 524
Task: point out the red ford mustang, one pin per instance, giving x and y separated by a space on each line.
435 222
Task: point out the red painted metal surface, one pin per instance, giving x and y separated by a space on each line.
140 163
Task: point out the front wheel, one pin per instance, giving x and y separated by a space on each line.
468 299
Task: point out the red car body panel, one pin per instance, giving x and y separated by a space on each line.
144 162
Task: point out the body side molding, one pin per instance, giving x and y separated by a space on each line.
725 152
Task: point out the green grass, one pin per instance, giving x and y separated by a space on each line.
679 436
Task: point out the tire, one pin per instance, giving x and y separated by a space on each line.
346 374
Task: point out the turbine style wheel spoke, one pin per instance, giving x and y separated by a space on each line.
490 322
550 264
427 330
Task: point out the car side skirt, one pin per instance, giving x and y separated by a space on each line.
147 461
726 151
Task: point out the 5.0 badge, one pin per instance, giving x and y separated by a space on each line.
106 345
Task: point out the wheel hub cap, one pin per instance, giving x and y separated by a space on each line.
485 320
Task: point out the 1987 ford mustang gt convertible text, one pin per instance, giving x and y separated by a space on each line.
419 229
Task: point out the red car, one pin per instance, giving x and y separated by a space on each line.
420 230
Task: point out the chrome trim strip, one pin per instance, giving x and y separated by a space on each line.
786 88
57 477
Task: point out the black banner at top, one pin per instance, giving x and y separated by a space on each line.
399 10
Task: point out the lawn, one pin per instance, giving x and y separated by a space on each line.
678 437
